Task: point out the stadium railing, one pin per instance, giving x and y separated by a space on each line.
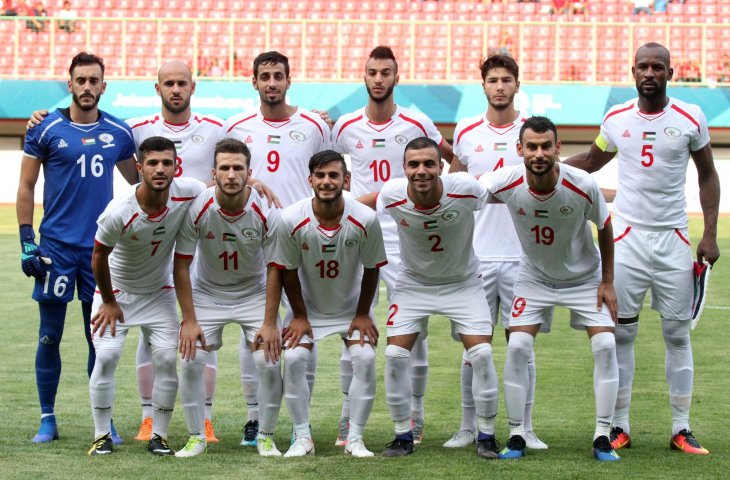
335 50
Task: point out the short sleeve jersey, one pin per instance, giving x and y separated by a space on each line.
553 227
435 244
281 149
194 140
653 152
483 147
330 261
141 261
229 259
376 149
78 169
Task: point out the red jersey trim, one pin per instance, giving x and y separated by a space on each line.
626 232
158 217
301 225
682 237
97 242
141 124
607 222
114 291
357 224
690 117
460 195
381 264
203 210
512 185
395 204
183 256
182 199
621 110
577 190
126 225
277 265
209 120
470 127
347 124
261 215
414 122
321 132
241 121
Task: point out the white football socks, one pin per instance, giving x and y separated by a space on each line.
362 388
269 393
102 389
679 370
605 380
625 338
249 379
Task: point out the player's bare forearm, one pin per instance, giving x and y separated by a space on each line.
591 160
456 165
102 275
128 169
709 183
369 199
264 191
447 151
294 292
606 291
368 287
24 203
269 337
183 286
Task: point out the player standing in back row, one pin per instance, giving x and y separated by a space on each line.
654 136
78 148
486 143
375 137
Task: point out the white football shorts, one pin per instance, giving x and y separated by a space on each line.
213 315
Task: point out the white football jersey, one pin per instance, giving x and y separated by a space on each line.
330 261
553 228
281 149
229 260
141 261
376 152
483 147
195 141
653 151
435 244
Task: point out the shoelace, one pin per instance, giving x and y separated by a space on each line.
100 441
268 444
250 429
689 438
192 442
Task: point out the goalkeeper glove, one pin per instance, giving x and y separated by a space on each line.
31 256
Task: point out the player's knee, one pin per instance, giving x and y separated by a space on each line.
480 353
259 360
164 359
603 341
395 352
625 333
676 333
520 343
106 360
295 361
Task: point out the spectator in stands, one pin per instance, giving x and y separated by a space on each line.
643 6
723 74
660 6
26 10
558 7
578 8
66 18
8 9
215 69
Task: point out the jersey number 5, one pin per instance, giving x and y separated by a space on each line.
646 153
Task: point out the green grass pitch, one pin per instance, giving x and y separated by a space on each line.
563 416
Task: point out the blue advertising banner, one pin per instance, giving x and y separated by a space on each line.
564 104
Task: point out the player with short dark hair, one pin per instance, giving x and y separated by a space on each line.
654 136
132 263
551 205
331 249
78 148
374 137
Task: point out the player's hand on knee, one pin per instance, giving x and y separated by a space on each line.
298 327
270 337
35 119
607 295
190 335
107 316
365 325
32 261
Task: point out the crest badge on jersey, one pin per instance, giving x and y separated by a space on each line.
566 210
350 243
107 139
298 137
250 233
401 139
672 132
198 139
450 215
